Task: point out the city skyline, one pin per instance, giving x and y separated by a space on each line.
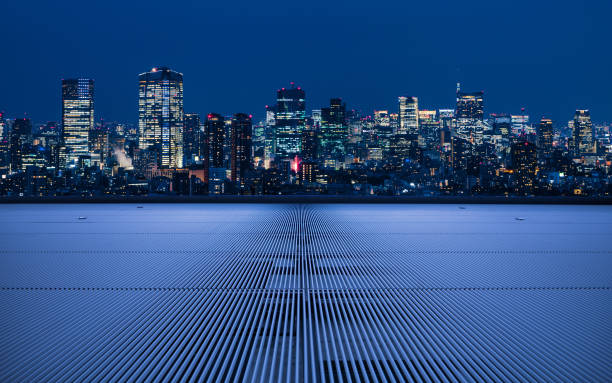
545 58
309 107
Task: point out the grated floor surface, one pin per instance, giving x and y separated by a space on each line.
302 293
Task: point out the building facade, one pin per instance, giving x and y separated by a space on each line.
191 139
215 128
241 147
408 115
290 121
77 118
160 115
582 135
334 130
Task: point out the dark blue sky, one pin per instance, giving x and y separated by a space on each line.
548 56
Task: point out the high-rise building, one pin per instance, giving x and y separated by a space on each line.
460 152
77 118
447 119
524 164
160 115
270 135
98 145
290 120
310 144
334 130
191 138
502 124
408 115
520 123
21 138
470 106
582 137
429 127
215 128
241 161
406 139
545 140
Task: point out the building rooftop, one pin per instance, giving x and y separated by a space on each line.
306 292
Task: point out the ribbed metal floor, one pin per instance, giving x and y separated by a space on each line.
305 293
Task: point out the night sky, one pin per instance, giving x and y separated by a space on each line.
548 56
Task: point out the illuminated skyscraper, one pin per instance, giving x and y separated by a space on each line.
582 137
334 130
241 161
406 139
545 139
160 115
215 128
191 138
21 138
310 144
290 121
520 123
77 117
429 128
408 115
270 135
524 163
470 106
502 124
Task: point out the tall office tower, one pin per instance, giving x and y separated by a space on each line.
524 163
429 127
160 115
520 123
259 143
334 130
215 128
242 160
383 130
77 117
408 115
21 138
191 138
227 145
502 124
310 144
582 137
99 145
545 140
460 151
447 118
470 106
270 135
290 121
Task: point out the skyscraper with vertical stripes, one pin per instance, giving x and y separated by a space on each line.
77 117
160 115
241 159
290 121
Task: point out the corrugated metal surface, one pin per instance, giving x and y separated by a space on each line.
306 293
